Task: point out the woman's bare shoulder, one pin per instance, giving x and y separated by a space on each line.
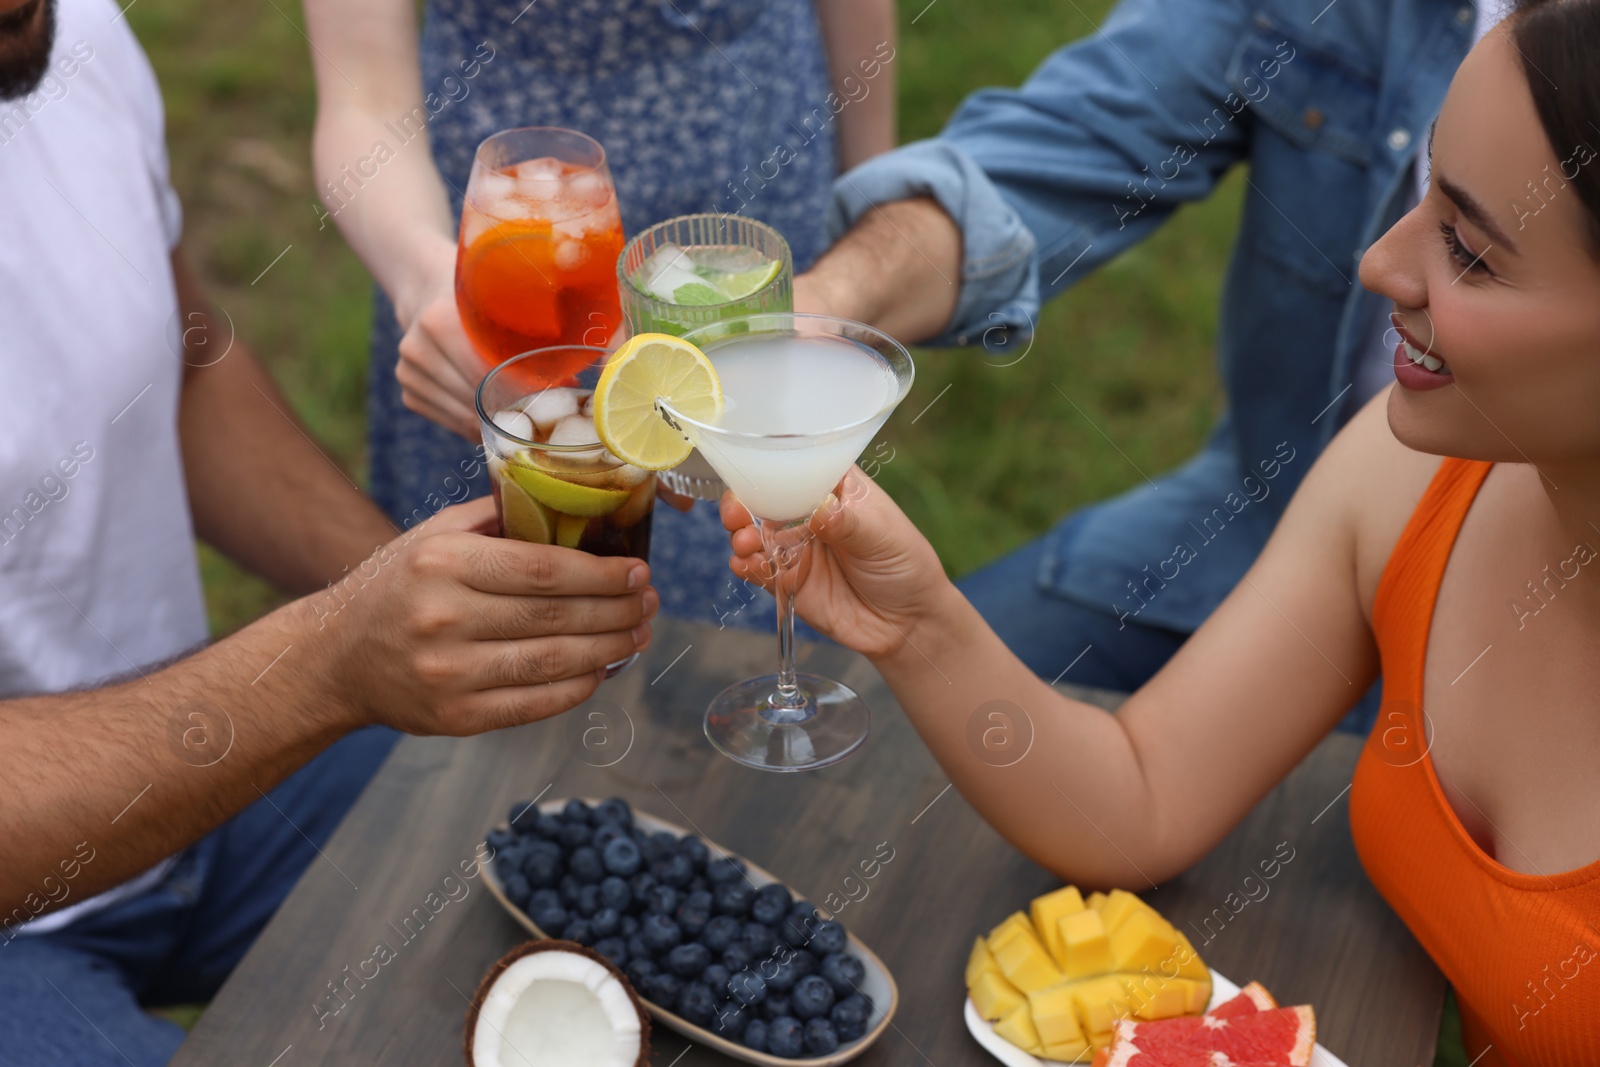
1379 481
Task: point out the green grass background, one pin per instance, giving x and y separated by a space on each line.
994 463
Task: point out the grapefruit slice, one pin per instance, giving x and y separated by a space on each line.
1276 1037
1252 998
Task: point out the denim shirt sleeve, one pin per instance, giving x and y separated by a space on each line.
1098 147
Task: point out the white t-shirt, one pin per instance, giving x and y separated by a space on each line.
98 575
1374 367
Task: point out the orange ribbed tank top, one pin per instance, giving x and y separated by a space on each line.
1521 950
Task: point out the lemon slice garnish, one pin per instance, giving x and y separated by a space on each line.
647 367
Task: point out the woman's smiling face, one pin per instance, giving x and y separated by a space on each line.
1497 279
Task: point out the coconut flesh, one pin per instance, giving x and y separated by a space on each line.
556 1004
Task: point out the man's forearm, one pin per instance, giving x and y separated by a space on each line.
260 489
898 268
98 785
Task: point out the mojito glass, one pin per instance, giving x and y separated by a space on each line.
695 270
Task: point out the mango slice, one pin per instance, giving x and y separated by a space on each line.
1025 962
1048 910
1085 946
994 997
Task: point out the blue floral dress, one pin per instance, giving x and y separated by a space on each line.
691 99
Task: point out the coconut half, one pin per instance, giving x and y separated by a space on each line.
556 1004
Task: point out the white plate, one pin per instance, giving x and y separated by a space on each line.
1012 1056
877 983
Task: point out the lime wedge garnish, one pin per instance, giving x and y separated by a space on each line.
565 497
740 284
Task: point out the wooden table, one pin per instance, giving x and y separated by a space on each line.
1315 933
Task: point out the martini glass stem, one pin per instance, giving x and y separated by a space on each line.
783 543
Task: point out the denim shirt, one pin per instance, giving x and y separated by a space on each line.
1328 105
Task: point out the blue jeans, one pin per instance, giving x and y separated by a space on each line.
1062 640
76 997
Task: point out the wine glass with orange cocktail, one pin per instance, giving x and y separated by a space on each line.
540 236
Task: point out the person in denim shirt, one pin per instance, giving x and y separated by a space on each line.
1027 190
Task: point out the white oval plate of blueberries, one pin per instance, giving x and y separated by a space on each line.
846 1008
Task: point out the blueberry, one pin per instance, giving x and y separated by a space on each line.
660 934
693 913
842 971
605 922
638 969
790 969
733 898
737 957
630 925
542 866
523 817
850 1016
721 932
697 1003
732 1018
509 859
551 920
812 996
616 810
696 850
689 961
588 901
663 988
578 930
747 987
640 884
607 833
661 900
612 948
797 929
784 1037
574 834
677 871
828 937
662 845
755 1035
759 939
776 1007
570 889
614 893
543 898
548 827
577 811
724 869
517 888
584 863
699 884
498 839
820 1038
637 949
622 857
771 904
716 976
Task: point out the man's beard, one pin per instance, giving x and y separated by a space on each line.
26 36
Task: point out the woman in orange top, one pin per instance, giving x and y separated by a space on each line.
1473 582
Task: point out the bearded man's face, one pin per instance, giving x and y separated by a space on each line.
27 30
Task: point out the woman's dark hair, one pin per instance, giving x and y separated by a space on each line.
1560 42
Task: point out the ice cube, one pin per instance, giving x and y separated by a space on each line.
628 475
515 423
667 268
586 404
492 185
573 430
570 255
548 408
589 189
543 169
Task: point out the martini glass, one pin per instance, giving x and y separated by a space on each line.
803 395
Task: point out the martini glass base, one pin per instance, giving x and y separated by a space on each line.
744 725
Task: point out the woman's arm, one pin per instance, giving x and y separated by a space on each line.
1103 799
375 174
860 38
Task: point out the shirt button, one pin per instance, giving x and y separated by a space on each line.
1464 15
1313 118
1399 139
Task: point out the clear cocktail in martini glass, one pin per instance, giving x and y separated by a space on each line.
803 396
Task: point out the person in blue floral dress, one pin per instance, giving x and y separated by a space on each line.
691 99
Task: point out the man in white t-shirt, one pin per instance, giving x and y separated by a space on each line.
139 853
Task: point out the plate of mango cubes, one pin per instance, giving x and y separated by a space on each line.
1065 980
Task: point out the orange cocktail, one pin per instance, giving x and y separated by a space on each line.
537 258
